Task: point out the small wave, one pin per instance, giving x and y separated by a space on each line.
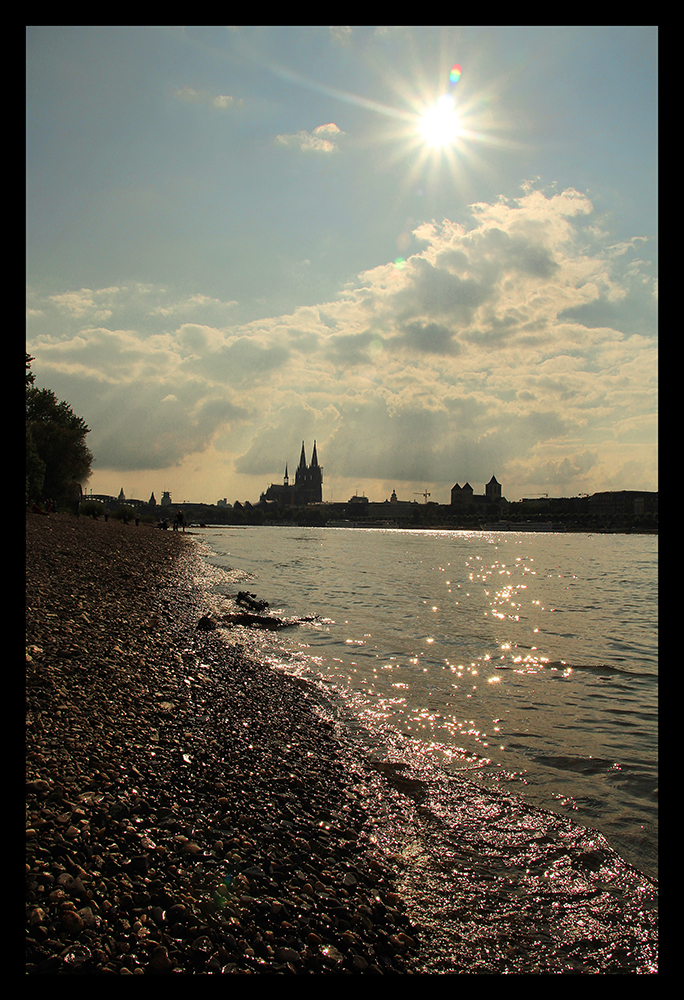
580 764
597 668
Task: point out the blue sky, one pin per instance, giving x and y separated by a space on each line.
239 238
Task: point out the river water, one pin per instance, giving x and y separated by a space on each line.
526 660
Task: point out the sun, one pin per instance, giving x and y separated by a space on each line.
440 125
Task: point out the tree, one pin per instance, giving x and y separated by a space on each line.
57 457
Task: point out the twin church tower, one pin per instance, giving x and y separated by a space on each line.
307 487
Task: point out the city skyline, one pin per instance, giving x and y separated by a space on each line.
239 238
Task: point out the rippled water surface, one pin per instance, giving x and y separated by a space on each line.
526 659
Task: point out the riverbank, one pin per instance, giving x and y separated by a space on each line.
190 810
187 810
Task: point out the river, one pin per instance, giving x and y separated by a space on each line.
528 661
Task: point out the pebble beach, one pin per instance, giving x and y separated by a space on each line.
191 810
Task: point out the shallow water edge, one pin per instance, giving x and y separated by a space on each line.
493 883
192 810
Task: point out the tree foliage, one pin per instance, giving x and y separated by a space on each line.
57 457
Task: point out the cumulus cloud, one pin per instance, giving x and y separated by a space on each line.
96 305
430 338
323 139
519 341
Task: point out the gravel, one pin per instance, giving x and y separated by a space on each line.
191 810
188 809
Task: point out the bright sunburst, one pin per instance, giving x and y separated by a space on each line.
440 124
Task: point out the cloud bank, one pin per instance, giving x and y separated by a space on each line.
519 341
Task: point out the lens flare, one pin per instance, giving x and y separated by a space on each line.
455 74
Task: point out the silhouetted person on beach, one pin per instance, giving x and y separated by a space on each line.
76 498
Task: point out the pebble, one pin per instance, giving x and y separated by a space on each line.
235 840
200 849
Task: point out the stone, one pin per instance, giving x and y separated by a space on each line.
72 922
90 919
160 961
203 944
38 785
332 954
287 955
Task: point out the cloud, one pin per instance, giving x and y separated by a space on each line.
189 95
323 139
85 302
518 341
341 35
430 338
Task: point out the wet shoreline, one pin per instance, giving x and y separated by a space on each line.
191 810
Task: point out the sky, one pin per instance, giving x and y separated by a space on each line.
239 239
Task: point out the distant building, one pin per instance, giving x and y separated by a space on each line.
493 490
166 499
632 502
307 487
461 495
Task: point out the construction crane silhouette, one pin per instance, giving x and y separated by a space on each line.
423 494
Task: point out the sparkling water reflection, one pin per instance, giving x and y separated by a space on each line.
527 659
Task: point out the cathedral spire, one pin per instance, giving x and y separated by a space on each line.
314 457
302 458
286 481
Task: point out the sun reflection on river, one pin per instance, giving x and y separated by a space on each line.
482 647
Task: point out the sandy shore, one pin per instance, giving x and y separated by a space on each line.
192 811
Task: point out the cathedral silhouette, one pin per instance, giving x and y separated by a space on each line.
307 487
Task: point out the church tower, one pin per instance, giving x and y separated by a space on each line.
316 477
308 479
493 490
